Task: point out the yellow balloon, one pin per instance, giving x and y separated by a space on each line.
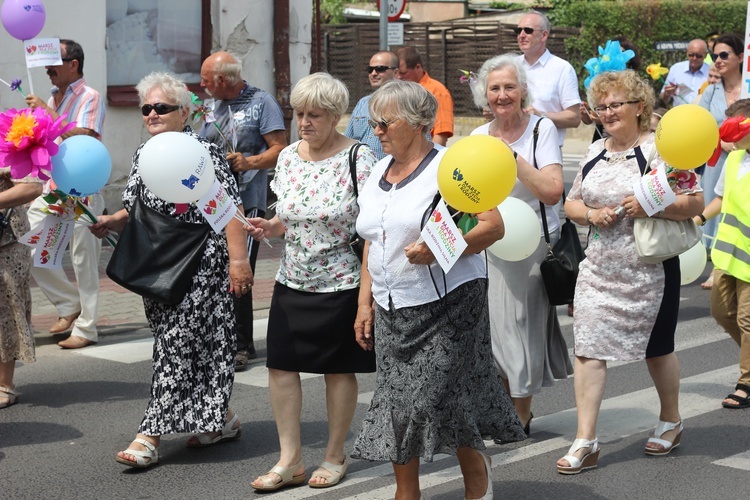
476 173
687 136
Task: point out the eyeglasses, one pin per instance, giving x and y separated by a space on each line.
525 29
379 69
697 56
615 106
159 107
383 124
723 55
67 59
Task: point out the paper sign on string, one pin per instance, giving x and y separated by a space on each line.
653 192
442 236
53 241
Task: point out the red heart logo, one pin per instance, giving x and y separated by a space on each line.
212 203
44 257
438 217
35 239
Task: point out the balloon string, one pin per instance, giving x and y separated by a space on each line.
245 222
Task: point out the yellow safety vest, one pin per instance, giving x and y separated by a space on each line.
731 248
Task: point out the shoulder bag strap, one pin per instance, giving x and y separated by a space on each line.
353 166
541 205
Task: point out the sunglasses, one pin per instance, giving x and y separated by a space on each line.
697 56
525 29
382 124
723 55
615 106
159 107
379 69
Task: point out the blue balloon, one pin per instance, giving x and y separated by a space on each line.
82 166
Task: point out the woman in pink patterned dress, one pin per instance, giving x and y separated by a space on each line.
625 309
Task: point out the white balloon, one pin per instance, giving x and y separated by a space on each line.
692 263
522 231
176 167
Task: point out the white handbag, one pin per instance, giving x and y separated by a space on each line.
657 240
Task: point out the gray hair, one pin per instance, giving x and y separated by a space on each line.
320 90
496 63
230 70
406 100
544 20
170 84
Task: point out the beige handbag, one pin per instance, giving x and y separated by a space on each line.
657 240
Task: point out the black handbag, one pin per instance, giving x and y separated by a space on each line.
559 268
157 255
356 243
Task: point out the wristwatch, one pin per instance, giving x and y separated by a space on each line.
703 219
543 115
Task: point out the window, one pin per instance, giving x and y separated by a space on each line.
154 35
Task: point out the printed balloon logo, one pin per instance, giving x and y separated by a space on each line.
27 8
210 207
457 176
44 258
190 182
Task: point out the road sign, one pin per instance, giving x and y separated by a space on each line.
395 9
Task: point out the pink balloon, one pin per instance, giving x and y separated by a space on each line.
23 19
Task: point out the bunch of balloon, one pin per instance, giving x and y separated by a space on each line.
176 167
686 136
476 173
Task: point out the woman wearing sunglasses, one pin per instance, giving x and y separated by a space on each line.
194 343
727 57
436 389
314 303
625 309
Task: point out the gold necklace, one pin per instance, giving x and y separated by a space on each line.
621 154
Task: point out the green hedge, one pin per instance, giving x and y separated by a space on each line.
644 23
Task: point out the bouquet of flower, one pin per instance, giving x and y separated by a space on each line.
27 141
611 58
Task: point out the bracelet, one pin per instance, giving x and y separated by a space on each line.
587 216
703 219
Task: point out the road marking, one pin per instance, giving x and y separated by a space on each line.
739 461
620 417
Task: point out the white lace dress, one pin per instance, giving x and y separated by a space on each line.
625 309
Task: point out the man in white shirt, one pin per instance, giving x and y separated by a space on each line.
686 77
552 81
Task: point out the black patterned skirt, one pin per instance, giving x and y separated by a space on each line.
437 389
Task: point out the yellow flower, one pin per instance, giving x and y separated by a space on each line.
22 126
656 71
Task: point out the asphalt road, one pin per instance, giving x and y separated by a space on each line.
79 408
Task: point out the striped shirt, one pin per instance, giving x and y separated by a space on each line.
83 106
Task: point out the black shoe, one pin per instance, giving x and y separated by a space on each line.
242 359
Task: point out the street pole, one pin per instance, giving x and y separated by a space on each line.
383 24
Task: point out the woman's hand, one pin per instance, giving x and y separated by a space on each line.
108 223
240 277
602 217
419 254
256 227
633 207
363 327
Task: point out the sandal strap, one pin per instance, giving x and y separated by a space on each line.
336 470
737 398
742 387
145 443
285 473
8 391
151 453
663 427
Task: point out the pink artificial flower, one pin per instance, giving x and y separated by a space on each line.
27 141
